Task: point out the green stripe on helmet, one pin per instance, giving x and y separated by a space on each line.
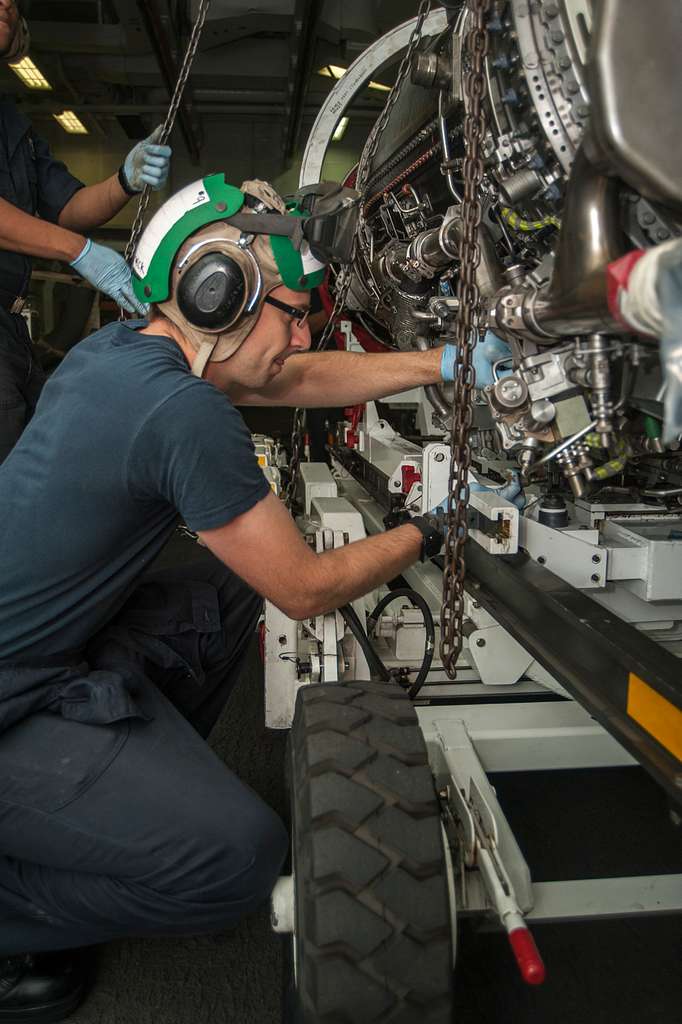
223 201
289 261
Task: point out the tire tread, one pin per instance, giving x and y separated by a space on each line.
373 921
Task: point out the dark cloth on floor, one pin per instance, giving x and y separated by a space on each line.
136 827
123 440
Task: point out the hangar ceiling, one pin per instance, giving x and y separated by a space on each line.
117 59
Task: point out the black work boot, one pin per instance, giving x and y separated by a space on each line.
41 988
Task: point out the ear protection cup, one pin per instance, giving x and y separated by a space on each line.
212 292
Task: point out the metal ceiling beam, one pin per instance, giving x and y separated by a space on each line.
220 31
156 32
67 37
114 109
302 49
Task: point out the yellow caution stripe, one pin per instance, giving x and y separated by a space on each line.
655 714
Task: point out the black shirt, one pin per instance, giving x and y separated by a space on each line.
33 181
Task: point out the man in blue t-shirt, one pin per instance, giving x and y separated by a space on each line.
116 818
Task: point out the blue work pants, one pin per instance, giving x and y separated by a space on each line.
136 827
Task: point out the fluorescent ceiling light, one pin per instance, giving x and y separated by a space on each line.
70 123
340 129
334 71
30 75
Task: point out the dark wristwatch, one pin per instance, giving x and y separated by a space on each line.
432 537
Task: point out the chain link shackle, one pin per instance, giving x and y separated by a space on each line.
452 609
346 273
143 202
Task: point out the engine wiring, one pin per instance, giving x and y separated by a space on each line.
519 223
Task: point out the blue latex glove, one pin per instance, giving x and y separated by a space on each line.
147 163
108 272
513 491
486 353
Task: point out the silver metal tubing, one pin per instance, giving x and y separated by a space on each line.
489 270
561 447
662 492
445 145
591 237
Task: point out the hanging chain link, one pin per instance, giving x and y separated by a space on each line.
345 275
452 609
169 122
295 460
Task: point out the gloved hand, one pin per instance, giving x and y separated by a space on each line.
108 272
147 163
486 353
511 491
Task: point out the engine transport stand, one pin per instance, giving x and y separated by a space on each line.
505 713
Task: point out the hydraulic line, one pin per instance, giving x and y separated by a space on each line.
376 665
619 455
429 646
514 220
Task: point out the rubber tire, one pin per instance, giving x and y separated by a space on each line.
373 927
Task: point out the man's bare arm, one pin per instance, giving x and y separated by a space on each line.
322 379
264 547
93 205
21 232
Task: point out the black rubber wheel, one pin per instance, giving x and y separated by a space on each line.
373 938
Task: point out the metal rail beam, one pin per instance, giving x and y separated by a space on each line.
601 660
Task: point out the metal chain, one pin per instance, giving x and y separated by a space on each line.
452 609
169 122
372 144
295 460
346 273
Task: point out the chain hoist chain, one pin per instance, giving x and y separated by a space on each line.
452 609
345 274
372 144
169 122
295 460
